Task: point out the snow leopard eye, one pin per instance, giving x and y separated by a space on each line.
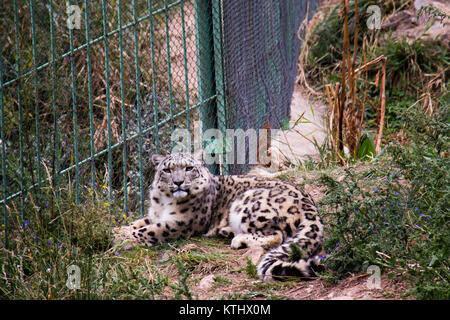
167 170
189 168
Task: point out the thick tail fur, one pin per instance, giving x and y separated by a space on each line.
281 262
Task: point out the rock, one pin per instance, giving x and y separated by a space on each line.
206 283
254 254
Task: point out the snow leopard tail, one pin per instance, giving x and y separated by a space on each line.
295 257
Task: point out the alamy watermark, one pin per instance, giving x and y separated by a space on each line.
73 277
374 20
231 147
374 280
73 16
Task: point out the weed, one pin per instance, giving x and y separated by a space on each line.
411 71
251 269
408 62
221 281
182 288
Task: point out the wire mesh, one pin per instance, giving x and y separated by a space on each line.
89 90
260 54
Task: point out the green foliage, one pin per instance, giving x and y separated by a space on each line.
295 253
326 41
396 106
251 269
408 61
433 11
401 221
182 288
41 248
366 149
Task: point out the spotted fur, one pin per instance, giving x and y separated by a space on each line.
186 199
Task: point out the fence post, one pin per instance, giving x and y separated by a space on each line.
205 67
219 73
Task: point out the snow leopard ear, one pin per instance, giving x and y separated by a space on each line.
199 155
156 159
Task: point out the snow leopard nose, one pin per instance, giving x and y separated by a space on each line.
178 183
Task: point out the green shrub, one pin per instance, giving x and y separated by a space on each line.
400 220
408 62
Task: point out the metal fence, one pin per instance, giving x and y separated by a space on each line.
90 89
261 45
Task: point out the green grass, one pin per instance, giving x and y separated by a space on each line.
41 249
251 270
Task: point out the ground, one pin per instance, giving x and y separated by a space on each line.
221 273
217 272
237 284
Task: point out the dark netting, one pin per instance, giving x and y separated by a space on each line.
260 54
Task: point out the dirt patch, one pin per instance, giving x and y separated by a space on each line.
353 288
306 124
235 282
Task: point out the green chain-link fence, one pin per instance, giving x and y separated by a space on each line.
90 89
261 41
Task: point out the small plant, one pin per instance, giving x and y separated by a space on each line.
434 12
182 288
295 253
251 269
221 281
366 148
